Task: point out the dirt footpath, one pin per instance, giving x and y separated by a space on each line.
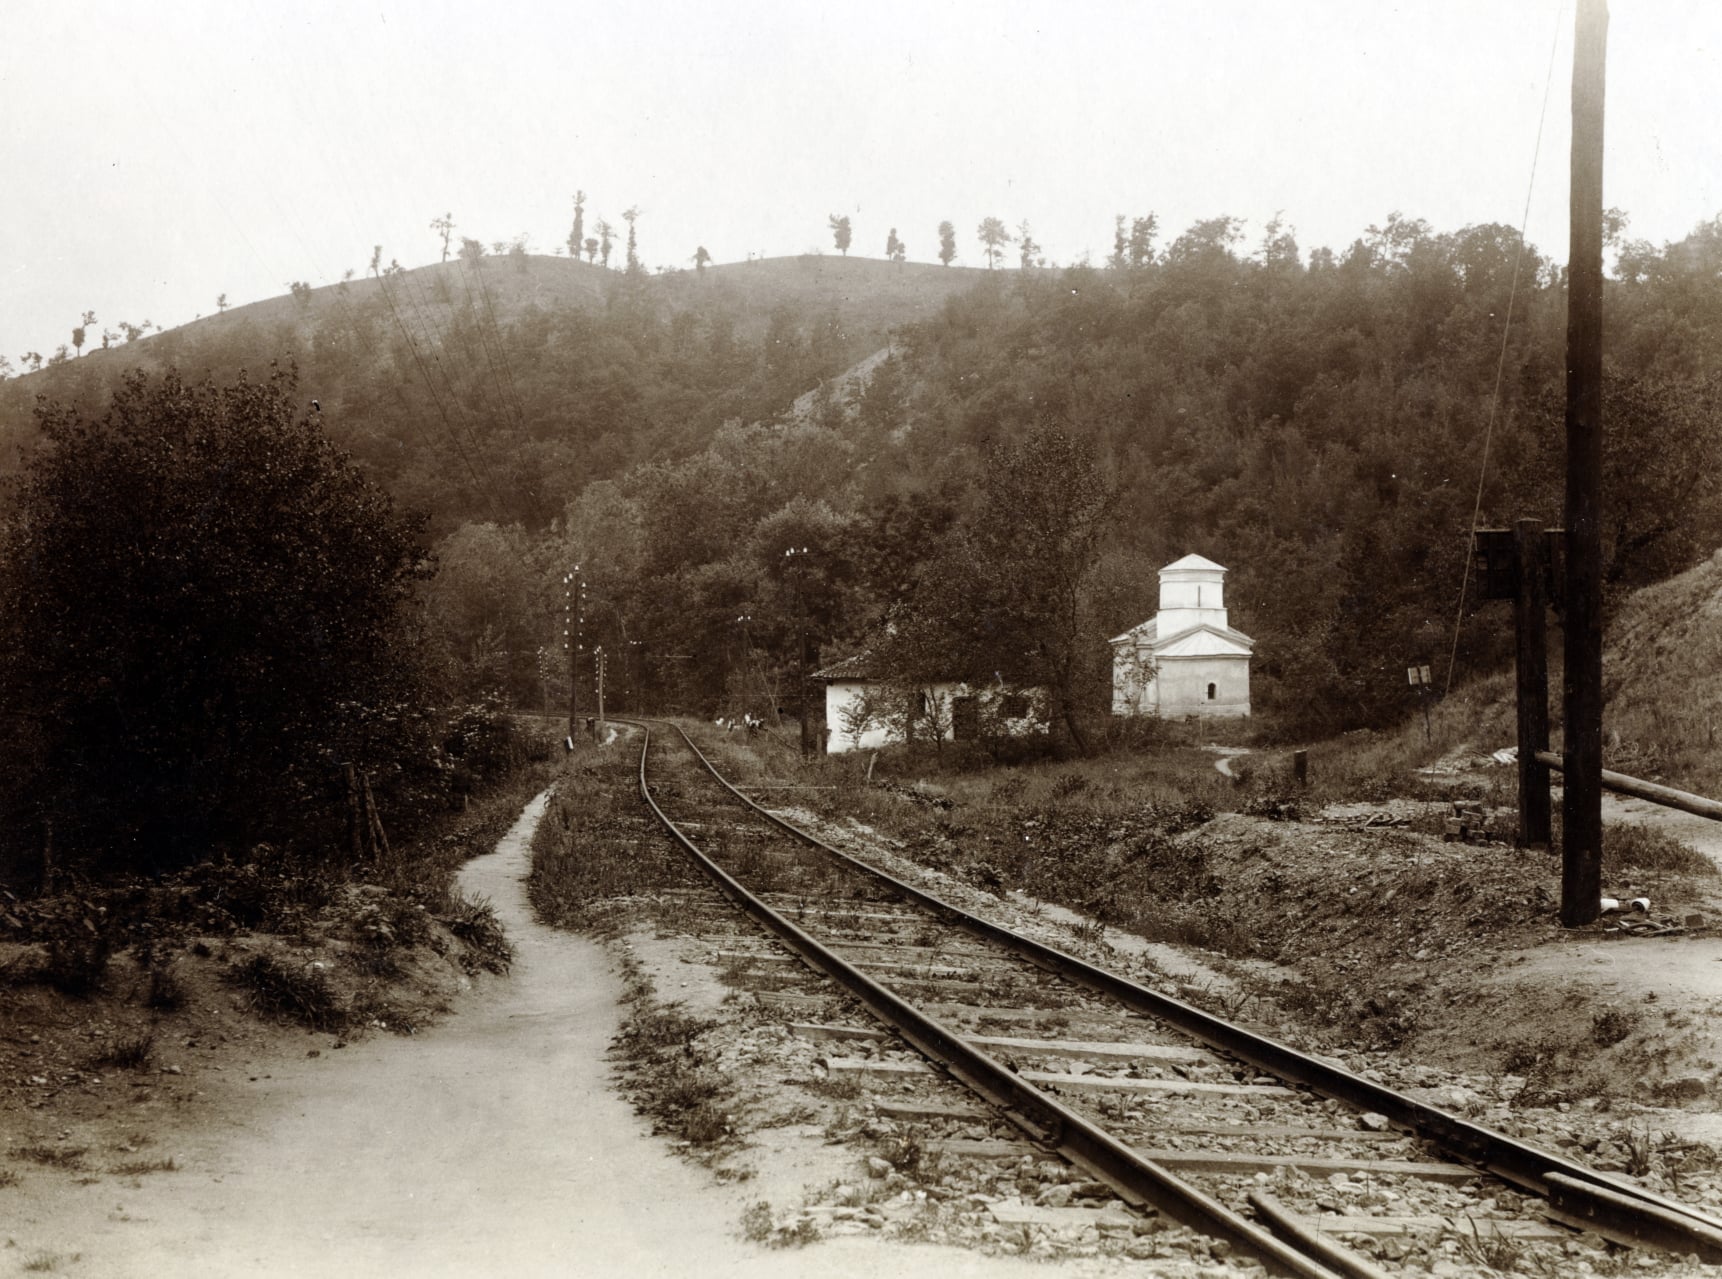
492 1144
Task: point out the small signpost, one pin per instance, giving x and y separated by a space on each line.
1423 683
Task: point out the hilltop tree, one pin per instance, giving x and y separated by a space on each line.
82 328
1141 247
606 238
1027 247
840 233
631 216
471 250
221 299
577 236
444 226
200 606
1119 258
947 242
894 249
591 249
994 237
701 257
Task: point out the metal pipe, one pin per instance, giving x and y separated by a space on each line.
1667 796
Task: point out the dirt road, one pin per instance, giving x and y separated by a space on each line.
490 1146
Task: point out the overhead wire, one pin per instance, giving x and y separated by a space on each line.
1501 358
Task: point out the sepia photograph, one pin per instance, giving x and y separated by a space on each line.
900 641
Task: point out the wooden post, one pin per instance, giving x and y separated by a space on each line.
1300 767
355 827
1532 653
374 823
598 727
1581 806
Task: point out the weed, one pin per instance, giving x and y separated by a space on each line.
300 993
41 1263
70 1158
132 1053
756 1223
1631 847
1610 1026
474 921
836 1087
166 991
8 1178
1493 1251
759 1226
1640 1151
143 1167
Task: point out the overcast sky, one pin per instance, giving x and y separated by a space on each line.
158 154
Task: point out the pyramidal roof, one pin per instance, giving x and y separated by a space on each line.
1194 561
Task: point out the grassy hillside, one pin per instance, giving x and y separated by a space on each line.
1662 672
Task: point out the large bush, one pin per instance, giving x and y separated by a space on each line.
201 605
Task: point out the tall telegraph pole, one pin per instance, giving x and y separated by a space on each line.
1581 804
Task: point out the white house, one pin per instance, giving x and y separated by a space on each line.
1185 660
866 709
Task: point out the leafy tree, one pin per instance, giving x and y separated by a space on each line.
840 233
200 616
591 249
631 216
577 236
1007 596
701 257
1141 246
471 251
300 290
221 300
606 237
1026 245
1119 258
78 338
32 360
444 226
894 249
994 236
947 243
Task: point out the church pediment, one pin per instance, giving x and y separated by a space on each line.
1205 641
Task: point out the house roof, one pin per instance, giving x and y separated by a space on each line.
1194 561
860 666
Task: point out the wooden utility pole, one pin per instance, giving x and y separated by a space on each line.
574 605
598 728
1581 805
1530 634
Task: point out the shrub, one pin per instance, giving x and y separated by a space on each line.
295 992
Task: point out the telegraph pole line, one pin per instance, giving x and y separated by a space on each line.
1581 803
574 608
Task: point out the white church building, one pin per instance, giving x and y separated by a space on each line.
1186 660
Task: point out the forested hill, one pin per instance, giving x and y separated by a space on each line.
1317 423
558 371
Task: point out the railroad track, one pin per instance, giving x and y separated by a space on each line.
1281 1157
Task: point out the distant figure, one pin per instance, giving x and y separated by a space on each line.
316 406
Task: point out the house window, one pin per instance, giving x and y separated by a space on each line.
924 708
1211 692
1013 705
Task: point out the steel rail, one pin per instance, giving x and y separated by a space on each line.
1599 1198
1054 1126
